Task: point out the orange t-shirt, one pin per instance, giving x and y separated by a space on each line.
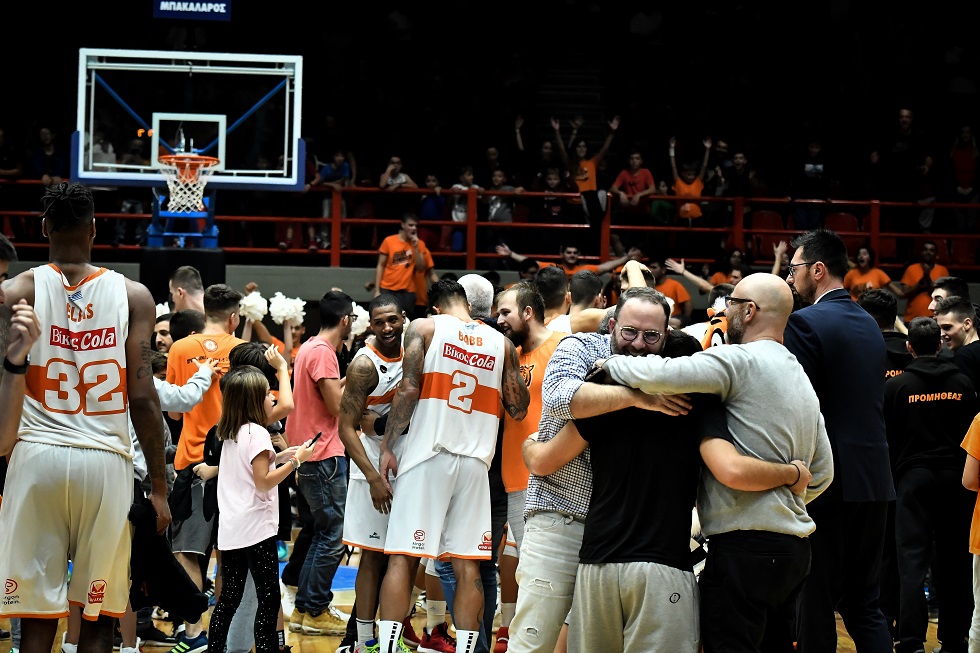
971 443
585 175
676 291
918 306
695 189
281 346
570 272
719 277
512 467
400 265
857 282
180 368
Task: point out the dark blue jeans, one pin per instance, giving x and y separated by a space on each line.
324 486
488 568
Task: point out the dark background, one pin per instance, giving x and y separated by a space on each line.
439 86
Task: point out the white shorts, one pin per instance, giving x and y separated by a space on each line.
364 526
441 509
43 525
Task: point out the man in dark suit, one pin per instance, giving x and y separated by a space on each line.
842 351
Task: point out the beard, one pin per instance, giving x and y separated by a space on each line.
625 348
518 337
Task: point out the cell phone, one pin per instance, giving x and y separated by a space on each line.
315 438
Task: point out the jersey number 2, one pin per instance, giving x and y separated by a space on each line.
464 385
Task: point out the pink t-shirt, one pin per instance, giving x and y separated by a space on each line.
247 515
315 360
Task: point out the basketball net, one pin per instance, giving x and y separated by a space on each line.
186 176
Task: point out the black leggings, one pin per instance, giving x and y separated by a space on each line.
262 561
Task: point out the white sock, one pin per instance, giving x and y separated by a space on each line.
466 640
389 632
507 611
133 649
416 591
66 647
365 630
436 615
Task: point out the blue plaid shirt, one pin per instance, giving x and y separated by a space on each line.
569 490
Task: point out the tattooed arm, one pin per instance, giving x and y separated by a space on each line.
362 378
144 403
514 392
417 339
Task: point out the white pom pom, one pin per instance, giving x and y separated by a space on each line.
361 323
163 308
279 308
254 306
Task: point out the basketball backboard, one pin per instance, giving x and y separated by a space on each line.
244 109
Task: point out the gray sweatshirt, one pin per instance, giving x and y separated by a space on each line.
773 414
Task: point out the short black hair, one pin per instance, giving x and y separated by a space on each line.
384 299
960 307
552 283
925 336
184 323
164 318
67 206
584 285
187 277
8 253
719 290
221 300
953 286
446 292
334 305
881 305
825 246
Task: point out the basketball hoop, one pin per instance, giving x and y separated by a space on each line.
186 176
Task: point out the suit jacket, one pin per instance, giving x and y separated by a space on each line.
841 349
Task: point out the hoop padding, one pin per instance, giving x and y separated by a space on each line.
186 176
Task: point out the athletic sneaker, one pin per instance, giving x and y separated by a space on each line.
282 550
296 621
408 634
135 649
420 605
153 636
500 646
197 645
347 644
324 623
370 646
438 641
338 614
4 634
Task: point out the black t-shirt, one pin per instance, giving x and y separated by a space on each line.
646 467
968 360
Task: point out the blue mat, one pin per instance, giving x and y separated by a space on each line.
342 580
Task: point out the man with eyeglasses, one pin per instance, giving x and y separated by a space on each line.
843 353
560 484
757 478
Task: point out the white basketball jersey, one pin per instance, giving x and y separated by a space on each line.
379 400
76 382
560 323
459 405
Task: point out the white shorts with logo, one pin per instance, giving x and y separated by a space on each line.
64 503
441 509
364 526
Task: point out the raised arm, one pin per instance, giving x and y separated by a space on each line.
562 152
707 155
673 160
518 123
144 403
514 392
504 250
362 378
606 144
609 266
379 272
679 268
284 401
575 123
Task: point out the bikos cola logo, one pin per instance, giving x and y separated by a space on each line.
481 361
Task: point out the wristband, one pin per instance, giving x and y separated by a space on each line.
799 474
295 463
671 151
16 369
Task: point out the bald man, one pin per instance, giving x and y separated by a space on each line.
760 553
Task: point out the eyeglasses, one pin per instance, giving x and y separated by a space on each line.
729 300
650 336
792 267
